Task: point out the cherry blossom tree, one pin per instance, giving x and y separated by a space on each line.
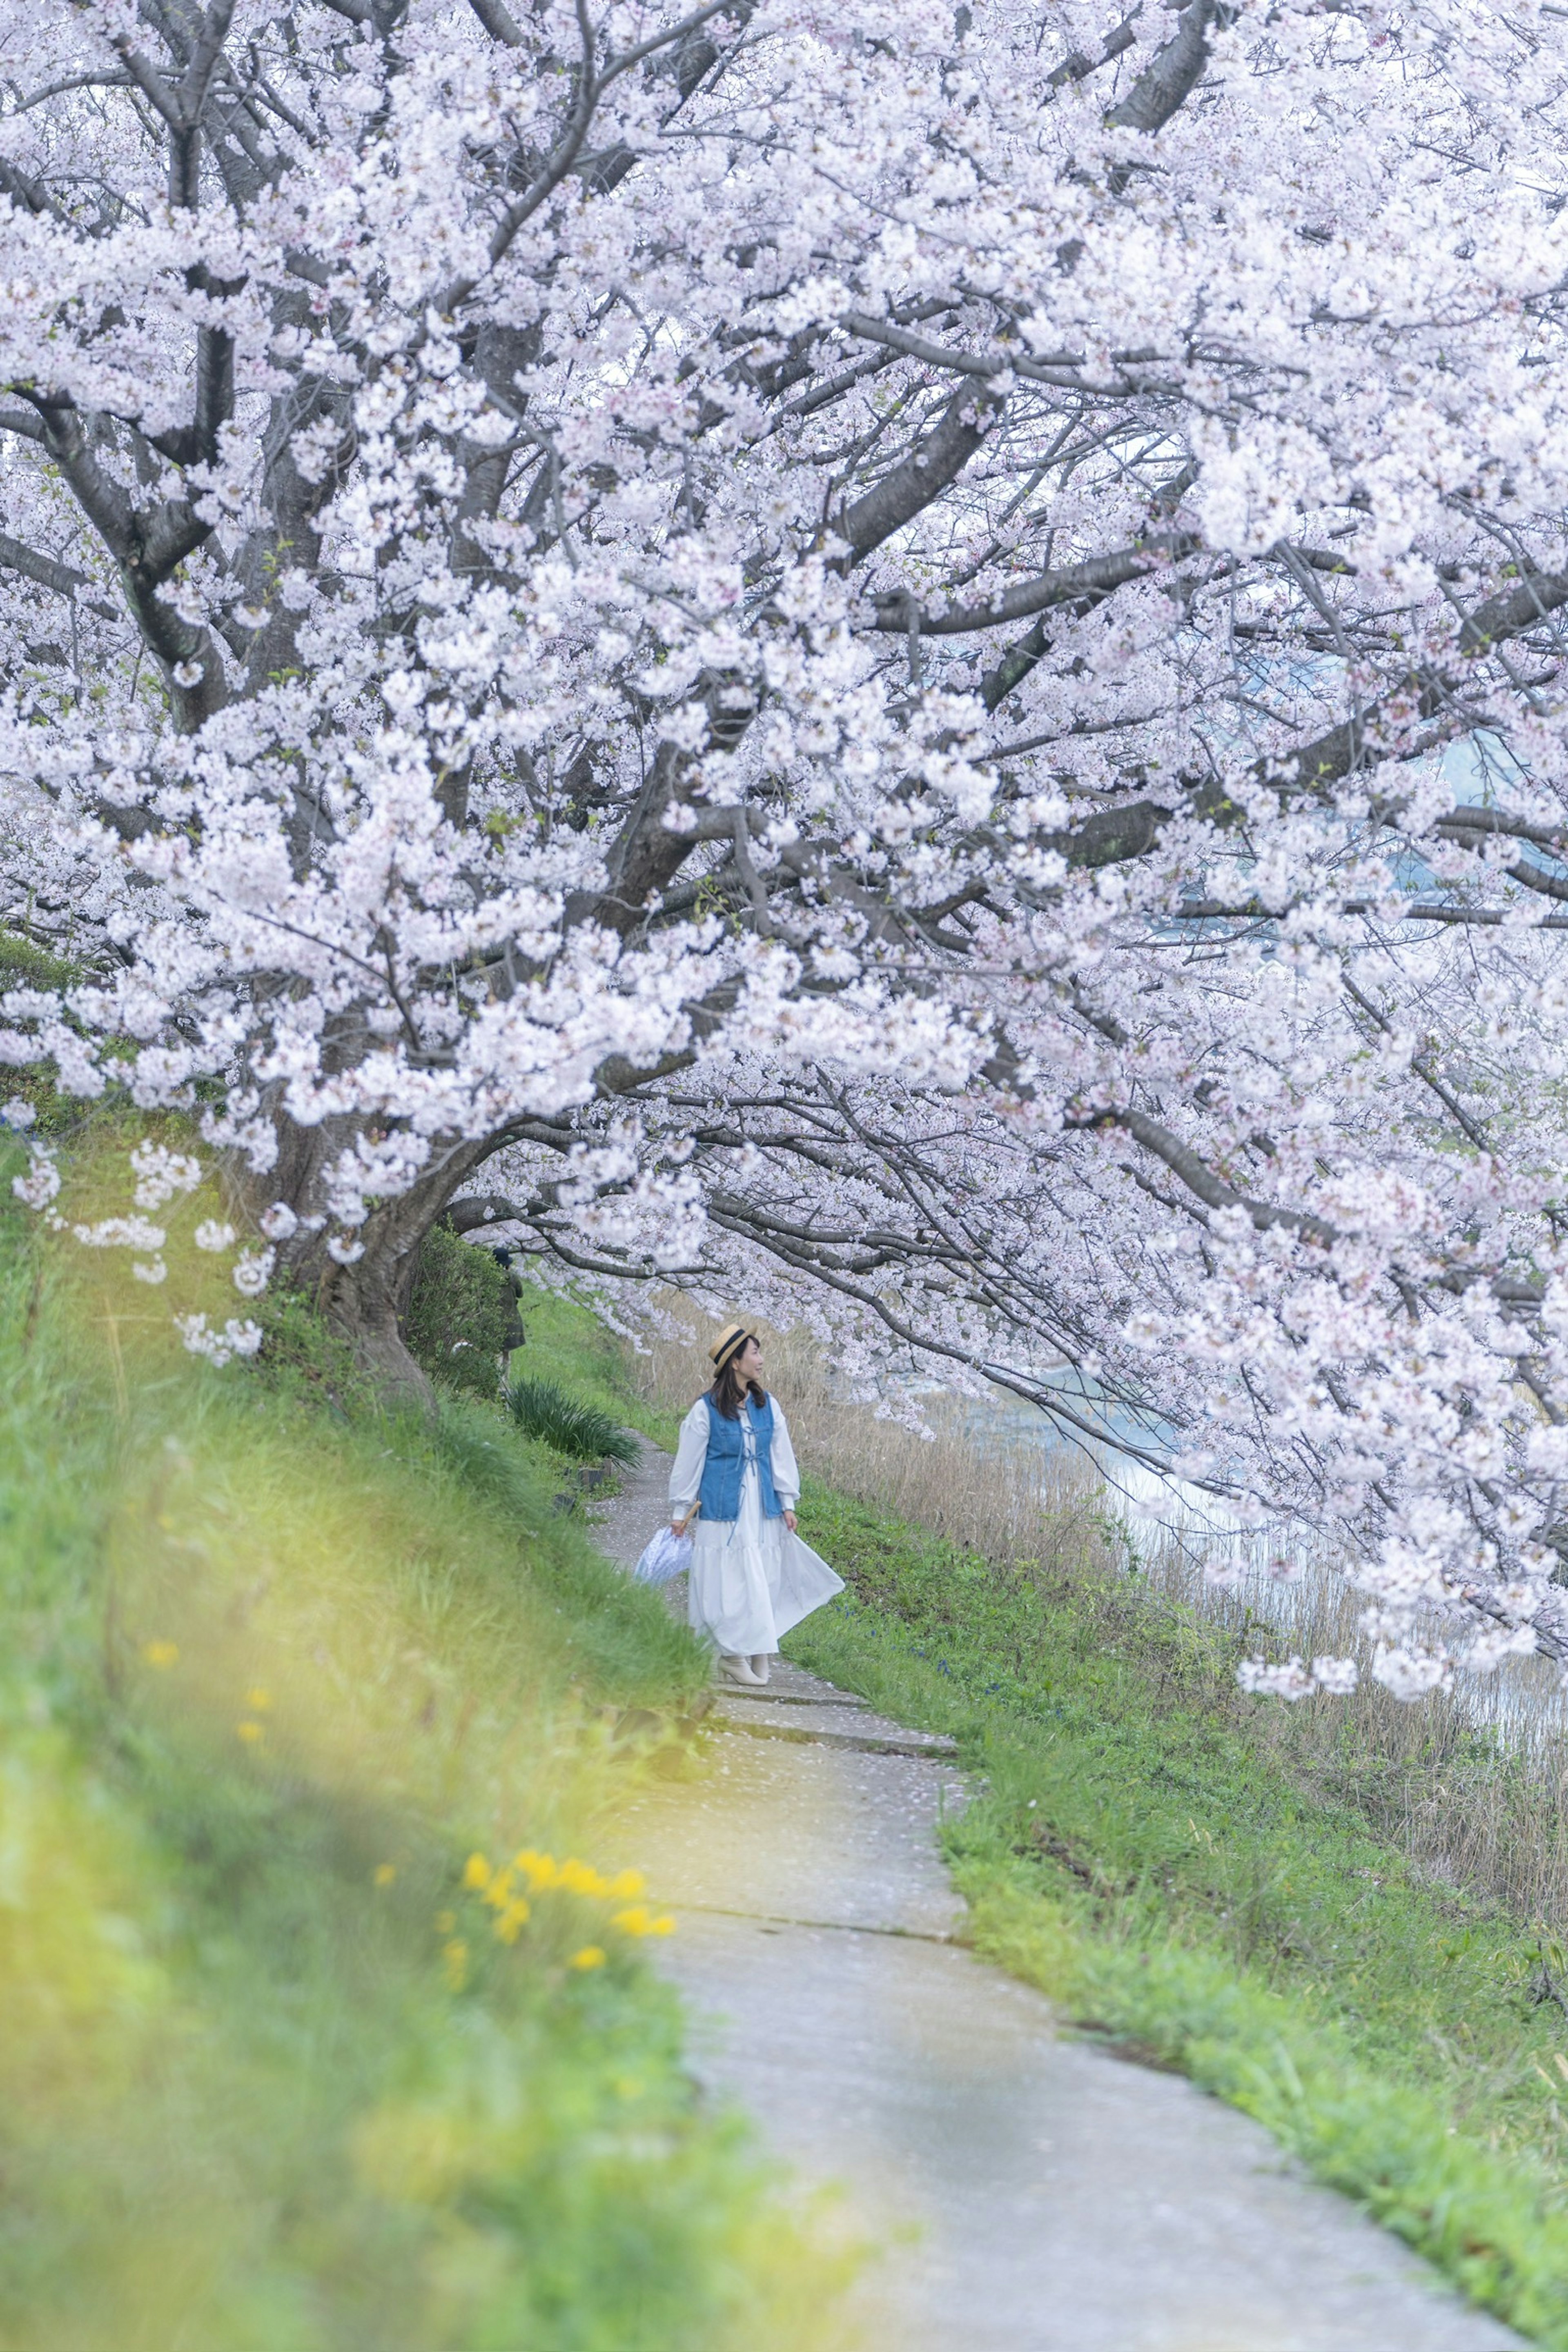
906 655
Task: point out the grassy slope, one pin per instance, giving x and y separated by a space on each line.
566 1344
270 1667
1160 1876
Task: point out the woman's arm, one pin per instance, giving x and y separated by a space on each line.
686 1477
781 1461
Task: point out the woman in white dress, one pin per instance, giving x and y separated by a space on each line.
752 1576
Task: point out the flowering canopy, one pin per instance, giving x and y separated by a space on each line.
903 650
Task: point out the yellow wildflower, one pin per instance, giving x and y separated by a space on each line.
635 1921
161 1654
510 1925
258 1701
627 1886
445 1922
500 1888
663 1926
385 1873
590 1957
456 1958
476 1871
581 1879
540 1868
253 1734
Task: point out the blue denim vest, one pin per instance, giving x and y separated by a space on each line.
724 1464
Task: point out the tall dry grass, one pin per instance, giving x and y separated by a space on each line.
1472 1784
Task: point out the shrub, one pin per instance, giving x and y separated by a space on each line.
462 1314
582 1431
21 960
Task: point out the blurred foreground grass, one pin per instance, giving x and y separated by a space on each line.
279 2071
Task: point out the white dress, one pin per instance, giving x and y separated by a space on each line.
751 1579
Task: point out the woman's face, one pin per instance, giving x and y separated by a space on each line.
749 1361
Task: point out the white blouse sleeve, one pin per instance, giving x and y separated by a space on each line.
786 1477
691 1455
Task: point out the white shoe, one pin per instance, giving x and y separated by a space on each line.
760 1665
740 1670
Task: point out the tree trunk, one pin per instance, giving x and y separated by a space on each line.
366 1301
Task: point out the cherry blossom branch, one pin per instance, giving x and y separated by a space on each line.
1086 584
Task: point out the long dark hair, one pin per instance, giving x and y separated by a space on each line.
729 1391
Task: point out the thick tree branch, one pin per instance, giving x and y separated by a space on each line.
1057 368
499 22
1173 73
466 1216
1087 584
912 485
63 578
1511 612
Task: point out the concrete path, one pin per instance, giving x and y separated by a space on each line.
1032 2193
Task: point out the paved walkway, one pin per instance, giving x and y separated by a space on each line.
1035 2194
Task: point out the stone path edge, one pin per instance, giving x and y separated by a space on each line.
867 1743
832 1926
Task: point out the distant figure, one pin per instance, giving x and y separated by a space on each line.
752 1576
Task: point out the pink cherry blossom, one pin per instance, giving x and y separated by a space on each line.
901 661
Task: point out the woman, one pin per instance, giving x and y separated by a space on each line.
752 1576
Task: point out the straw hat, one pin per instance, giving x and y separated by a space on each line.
730 1343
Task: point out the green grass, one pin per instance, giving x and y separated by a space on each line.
272 1665
568 1345
583 1433
1159 1873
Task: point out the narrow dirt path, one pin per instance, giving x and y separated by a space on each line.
1035 2194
